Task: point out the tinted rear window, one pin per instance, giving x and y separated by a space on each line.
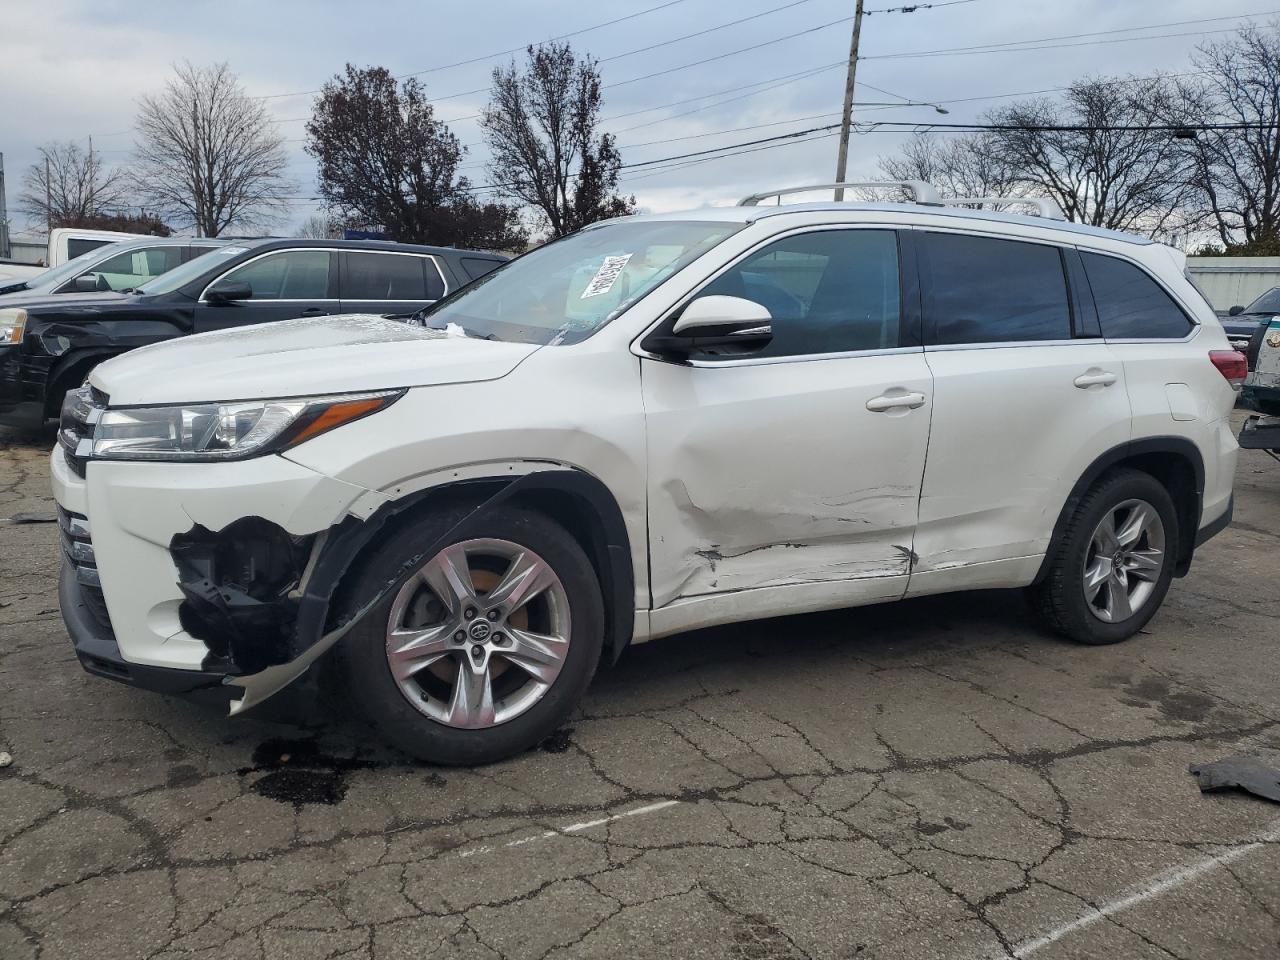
982 290
1131 304
477 267
387 276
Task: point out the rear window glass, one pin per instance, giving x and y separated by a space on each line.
477 267
385 276
1131 304
982 290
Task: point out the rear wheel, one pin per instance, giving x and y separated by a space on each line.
1113 567
485 648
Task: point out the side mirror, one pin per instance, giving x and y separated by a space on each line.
719 324
86 284
1235 311
227 291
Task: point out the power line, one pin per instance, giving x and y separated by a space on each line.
1022 44
500 53
916 6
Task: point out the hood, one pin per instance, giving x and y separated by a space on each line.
292 358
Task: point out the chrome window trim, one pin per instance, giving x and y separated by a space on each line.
271 253
794 358
444 282
1009 344
639 351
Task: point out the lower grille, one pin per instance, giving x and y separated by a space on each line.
77 546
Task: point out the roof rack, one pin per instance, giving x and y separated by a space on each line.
1045 207
920 191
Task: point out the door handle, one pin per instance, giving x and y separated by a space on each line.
1094 377
891 401
314 312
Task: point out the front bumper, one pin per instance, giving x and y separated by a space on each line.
99 654
129 515
21 401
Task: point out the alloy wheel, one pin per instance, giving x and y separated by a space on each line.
479 633
1124 561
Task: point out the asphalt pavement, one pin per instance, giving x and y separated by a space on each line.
938 778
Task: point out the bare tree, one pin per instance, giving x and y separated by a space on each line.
68 186
208 155
540 126
1116 165
1237 171
386 161
962 166
320 226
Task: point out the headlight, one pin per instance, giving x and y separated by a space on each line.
227 431
12 323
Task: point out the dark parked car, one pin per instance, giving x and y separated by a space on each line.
1241 322
119 266
48 344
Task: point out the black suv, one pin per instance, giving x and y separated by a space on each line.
49 344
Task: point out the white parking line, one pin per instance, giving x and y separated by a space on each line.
1153 887
573 828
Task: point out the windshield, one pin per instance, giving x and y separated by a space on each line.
568 289
72 268
1269 302
195 267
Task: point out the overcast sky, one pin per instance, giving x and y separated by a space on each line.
71 69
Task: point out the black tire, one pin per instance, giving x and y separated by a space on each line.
1059 598
372 691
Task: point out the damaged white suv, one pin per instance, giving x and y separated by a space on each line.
656 424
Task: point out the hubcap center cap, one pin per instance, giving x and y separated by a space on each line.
480 631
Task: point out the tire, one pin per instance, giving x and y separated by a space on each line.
1072 599
422 711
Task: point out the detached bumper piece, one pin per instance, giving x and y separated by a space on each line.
1261 433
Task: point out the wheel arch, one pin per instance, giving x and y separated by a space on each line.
69 372
577 500
1175 461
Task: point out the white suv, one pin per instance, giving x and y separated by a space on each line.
659 423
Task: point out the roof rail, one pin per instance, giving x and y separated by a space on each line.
920 191
1045 207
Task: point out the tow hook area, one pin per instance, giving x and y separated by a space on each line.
239 587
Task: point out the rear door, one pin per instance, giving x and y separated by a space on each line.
1026 396
286 284
388 282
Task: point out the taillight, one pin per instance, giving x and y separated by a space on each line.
1232 364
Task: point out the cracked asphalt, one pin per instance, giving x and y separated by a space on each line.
932 779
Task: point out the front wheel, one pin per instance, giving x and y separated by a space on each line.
486 647
1113 567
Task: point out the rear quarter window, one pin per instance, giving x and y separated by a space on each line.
1131 305
477 267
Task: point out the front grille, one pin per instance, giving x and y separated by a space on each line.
80 413
77 546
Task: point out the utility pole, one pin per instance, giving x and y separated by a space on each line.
48 199
5 251
846 118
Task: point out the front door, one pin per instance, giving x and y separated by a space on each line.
285 284
789 479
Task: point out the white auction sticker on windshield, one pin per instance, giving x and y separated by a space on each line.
604 279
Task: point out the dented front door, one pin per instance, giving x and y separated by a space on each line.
785 473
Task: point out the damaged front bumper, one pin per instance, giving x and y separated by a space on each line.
189 580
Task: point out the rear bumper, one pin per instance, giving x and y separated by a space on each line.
1215 527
